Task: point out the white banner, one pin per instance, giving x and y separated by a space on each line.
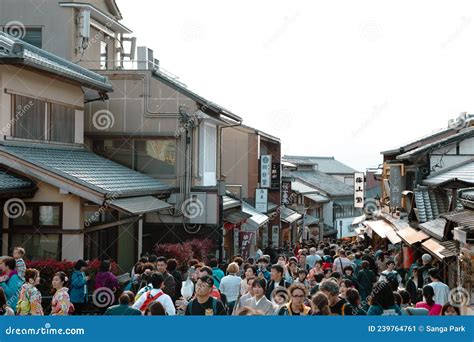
261 200
358 190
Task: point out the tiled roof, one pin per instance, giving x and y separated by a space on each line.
9 182
430 203
324 164
462 172
321 181
18 51
434 228
461 135
86 168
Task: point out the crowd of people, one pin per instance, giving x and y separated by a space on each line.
326 278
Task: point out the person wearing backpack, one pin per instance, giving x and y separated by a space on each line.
203 304
217 273
29 302
156 294
391 276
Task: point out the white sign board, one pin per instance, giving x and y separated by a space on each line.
261 200
358 190
265 170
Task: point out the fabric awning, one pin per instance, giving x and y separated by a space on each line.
434 248
289 216
380 228
412 236
236 216
257 219
139 205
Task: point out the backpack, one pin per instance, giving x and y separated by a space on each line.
214 306
392 277
149 299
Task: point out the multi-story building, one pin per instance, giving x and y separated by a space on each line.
63 202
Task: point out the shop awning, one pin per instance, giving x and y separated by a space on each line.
310 220
434 248
257 219
289 216
229 202
139 205
380 228
236 216
358 220
412 236
393 237
317 198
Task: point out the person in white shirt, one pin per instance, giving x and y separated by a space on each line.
155 295
230 285
390 273
441 290
312 258
341 262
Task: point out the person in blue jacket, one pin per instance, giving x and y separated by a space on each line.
13 284
78 289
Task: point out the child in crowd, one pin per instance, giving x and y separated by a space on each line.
18 254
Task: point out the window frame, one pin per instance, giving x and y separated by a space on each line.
35 226
26 28
48 117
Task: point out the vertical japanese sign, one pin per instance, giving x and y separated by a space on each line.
285 192
265 170
275 177
358 190
261 200
245 242
395 185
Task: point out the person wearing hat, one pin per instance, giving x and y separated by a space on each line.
203 304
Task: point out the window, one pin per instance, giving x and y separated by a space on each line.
40 120
61 123
28 118
38 231
31 35
342 211
118 150
101 244
103 55
39 215
208 154
155 157
38 246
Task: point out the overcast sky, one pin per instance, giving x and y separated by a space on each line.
329 78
